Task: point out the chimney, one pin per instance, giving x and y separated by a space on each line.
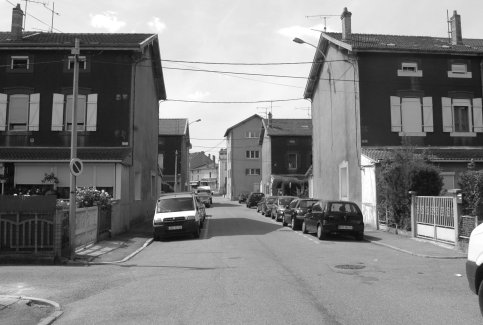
269 119
346 23
17 22
456 36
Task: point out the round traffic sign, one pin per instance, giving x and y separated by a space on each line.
76 166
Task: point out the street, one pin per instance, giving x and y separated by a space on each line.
248 269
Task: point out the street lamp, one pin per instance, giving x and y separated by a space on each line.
198 120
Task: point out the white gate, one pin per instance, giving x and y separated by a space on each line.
434 218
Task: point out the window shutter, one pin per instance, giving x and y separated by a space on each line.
34 112
477 115
447 114
396 114
57 112
91 112
3 112
428 114
246 171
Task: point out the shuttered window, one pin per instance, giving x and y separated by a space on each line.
462 116
86 117
411 116
19 112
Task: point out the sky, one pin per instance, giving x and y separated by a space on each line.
252 39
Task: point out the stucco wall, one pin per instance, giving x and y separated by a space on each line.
369 192
336 133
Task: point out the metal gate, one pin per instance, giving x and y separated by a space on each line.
435 218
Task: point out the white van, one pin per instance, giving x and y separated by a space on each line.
474 263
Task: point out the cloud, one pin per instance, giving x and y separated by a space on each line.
156 24
198 95
300 31
107 20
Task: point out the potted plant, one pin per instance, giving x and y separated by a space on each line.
50 179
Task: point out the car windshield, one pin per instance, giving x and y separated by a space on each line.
307 204
203 191
271 200
256 195
175 204
285 200
343 207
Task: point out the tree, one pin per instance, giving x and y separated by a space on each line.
471 185
402 171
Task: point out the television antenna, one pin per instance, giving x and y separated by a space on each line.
324 17
26 5
307 109
53 12
267 109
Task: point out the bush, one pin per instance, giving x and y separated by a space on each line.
471 185
401 172
90 196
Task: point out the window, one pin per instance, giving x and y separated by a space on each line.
292 161
82 63
252 154
19 112
20 64
252 171
251 134
411 116
462 117
459 70
409 69
86 112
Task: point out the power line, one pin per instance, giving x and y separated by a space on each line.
234 102
237 73
236 63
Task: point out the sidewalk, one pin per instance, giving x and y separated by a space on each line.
121 248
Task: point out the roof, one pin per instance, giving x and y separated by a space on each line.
435 154
199 159
288 127
25 154
48 41
406 43
240 123
173 126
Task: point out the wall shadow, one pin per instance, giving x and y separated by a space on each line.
239 227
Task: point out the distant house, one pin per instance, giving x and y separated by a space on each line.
286 155
120 86
222 169
173 154
203 170
244 163
372 93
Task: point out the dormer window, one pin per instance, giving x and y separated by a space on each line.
459 70
409 69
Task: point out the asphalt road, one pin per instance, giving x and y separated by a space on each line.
248 269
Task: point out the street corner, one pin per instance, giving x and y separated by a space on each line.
28 310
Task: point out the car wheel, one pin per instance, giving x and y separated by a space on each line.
304 228
283 222
359 236
480 297
292 225
320 233
155 237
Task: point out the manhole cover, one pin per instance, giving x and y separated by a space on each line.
350 266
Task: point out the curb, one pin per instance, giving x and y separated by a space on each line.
49 319
127 258
416 254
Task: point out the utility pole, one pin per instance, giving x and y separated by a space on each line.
73 150
175 170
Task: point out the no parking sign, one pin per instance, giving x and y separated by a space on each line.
76 166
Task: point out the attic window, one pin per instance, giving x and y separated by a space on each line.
304 126
409 69
19 63
390 44
459 70
82 63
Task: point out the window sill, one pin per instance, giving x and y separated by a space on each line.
401 73
462 134
412 134
452 74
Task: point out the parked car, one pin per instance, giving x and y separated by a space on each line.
204 198
242 197
266 208
295 213
279 206
177 214
254 198
334 217
474 263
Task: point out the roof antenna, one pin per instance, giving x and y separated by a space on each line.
323 17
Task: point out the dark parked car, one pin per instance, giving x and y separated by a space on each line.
280 205
259 204
242 197
294 214
266 207
334 217
254 198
